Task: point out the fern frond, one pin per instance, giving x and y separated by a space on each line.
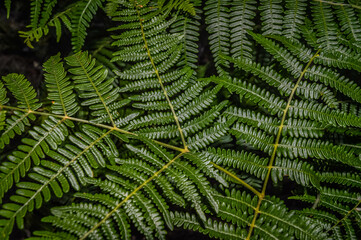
323 114
245 161
326 26
191 127
294 18
189 26
271 16
280 54
340 195
71 166
341 58
347 179
212 228
152 216
217 19
304 148
298 171
46 11
2 120
163 183
16 124
292 127
51 134
135 169
35 12
3 101
22 91
333 79
252 92
3 97
185 177
26 98
269 75
208 136
241 20
59 88
80 21
35 34
7 4
97 90
255 137
300 227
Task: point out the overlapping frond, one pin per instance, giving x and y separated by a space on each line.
217 19
26 98
80 21
60 88
98 91
241 20
71 163
280 119
271 16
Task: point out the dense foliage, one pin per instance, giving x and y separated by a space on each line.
238 119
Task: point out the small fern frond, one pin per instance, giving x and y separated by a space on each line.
189 26
59 88
270 76
347 179
7 4
294 18
326 28
71 166
35 12
241 20
51 134
271 16
46 11
212 228
217 19
3 97
292 127
22 91
26 98
97 89
80 21
252 92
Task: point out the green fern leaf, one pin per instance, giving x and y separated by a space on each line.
271 17
217 19
241 19
80 20
35 12
294 18
22 91
59 87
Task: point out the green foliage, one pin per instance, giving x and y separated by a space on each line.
126 139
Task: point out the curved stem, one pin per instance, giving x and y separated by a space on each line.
276 144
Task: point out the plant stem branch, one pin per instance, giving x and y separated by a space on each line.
277 141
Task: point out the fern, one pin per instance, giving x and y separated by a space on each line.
136 137
80 21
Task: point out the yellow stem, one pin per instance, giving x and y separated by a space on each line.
348 213
237 179
53 177
115 128
273 156
160 81
129 196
